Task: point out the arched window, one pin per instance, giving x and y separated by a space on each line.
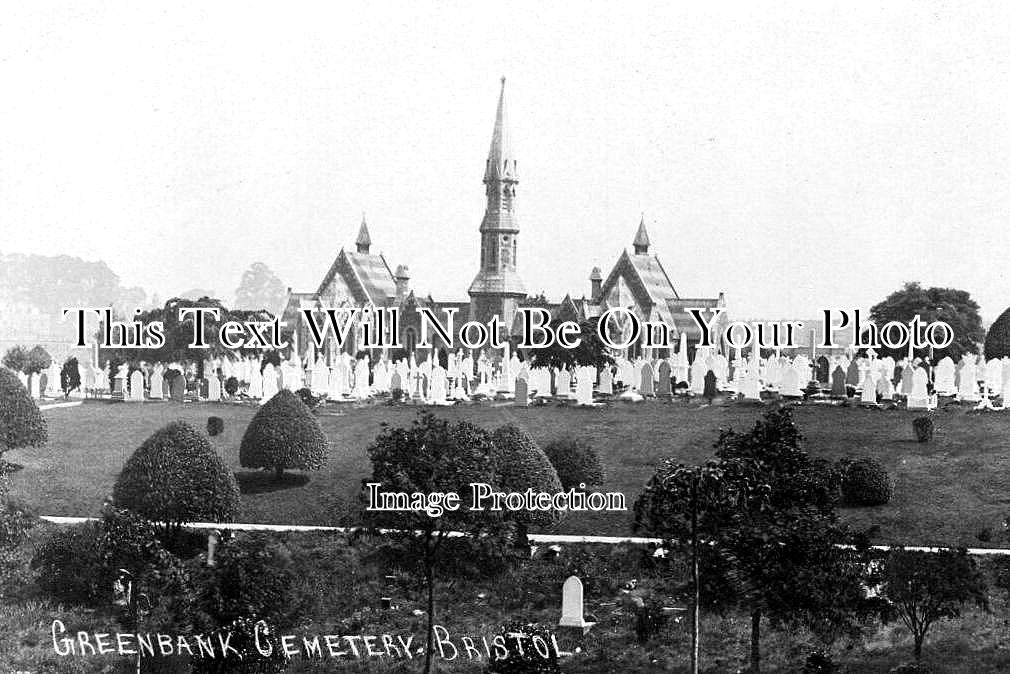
410 340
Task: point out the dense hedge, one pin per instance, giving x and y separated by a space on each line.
176 476
15 520
253 576
576 462
21 422
283 434
520 464
865 483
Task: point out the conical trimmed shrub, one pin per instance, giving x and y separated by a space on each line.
21 422
175 476
520 464
283 435
997 340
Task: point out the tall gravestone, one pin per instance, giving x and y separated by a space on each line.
665 385
646 388
838 382
522 393
710 391
823 371
178 387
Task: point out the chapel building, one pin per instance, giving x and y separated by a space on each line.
638 281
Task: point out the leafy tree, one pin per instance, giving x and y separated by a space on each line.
768 511
179 334
175 477
70 376
925 587
430 456
260 289
21 422
952 306
283 434
684 504
38 360
16 358
591 351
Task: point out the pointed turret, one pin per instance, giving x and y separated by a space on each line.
500 162
364 240
641 242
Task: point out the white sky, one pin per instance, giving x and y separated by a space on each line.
795 157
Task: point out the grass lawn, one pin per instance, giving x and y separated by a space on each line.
945 493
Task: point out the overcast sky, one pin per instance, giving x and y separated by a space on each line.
794 157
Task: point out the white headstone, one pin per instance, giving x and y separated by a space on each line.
137 386
213 388
869 393
572 605
606 381
919 398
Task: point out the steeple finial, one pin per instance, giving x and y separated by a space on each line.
641 242
364 240
500 162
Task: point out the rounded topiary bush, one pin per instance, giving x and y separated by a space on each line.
576 462
215 426
865 483
21 422
284 434
175 477
520 464
997 339
231 386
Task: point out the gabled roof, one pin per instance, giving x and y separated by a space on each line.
364 276
646 280
374 275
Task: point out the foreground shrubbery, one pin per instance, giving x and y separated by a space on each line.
78 564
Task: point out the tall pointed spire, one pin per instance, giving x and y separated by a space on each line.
500 162
641 238
364 240
497 286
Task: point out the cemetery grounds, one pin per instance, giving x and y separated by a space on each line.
952 491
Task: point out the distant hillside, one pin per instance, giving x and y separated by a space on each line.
34 290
